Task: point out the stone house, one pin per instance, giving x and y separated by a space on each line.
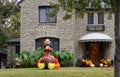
91 37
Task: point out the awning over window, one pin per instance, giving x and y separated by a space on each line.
95 37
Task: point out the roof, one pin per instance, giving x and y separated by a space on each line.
96 37
14 41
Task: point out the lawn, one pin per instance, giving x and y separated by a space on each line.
62 72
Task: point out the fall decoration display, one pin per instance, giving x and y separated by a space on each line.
47 61
88 63
105 62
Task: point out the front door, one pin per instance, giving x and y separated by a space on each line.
94 52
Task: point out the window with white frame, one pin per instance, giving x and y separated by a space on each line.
43 15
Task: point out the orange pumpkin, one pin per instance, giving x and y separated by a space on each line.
106 63
86 63
90 62
102 60
57 65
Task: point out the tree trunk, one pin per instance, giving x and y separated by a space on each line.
0 61
117 38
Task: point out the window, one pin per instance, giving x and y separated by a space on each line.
90 18
54 43
43 18
100 18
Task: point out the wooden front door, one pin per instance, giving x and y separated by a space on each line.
94 52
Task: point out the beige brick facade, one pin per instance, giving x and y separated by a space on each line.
69 31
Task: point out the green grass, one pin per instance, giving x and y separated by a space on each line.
62 72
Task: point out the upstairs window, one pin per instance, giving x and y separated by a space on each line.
43 15
100 18
90 18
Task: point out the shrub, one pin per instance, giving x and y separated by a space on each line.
65 57
28 59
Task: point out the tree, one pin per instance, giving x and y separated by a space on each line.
2 39
117 38
9 21
78 7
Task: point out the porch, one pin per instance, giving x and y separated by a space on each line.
97 46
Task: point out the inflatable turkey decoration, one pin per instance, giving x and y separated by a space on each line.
47 61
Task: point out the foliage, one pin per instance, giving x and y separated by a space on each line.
25 59
78 7
3 39
38 53
9 21
14 56
65 57
28 59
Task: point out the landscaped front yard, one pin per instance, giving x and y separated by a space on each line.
62 72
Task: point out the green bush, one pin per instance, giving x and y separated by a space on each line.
14 56
38 53
28 59
66 58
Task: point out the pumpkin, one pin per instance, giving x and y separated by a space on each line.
57 65
86 63
102 60
106 63
90 63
